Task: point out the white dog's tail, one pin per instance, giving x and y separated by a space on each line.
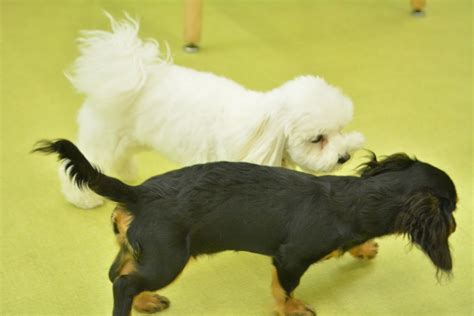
113 66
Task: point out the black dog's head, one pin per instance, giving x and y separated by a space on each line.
428 202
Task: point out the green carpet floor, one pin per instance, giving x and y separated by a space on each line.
411 83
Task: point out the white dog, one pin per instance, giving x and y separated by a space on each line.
135 99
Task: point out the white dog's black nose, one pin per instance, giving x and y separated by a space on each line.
343 159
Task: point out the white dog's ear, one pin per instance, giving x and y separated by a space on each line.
265 144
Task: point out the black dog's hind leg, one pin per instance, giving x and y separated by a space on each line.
286 278
137 285
160 261
125 288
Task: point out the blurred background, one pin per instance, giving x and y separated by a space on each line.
410 79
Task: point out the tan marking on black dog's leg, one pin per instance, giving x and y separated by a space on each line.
288 305
278 293
121 220
334 254
149 302
125 262
367 250
123 272
128 265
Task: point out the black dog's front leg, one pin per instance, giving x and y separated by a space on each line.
286 278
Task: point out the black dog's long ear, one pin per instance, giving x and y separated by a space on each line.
395 162
423 222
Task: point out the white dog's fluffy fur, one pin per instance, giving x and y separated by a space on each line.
136 99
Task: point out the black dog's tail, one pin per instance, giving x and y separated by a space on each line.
84 174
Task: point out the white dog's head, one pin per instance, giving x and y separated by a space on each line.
314 114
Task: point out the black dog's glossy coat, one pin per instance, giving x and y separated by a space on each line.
295 218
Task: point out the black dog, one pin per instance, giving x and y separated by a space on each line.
295 218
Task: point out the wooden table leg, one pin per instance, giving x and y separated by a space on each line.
192 24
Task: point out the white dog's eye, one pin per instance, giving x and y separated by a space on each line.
317 139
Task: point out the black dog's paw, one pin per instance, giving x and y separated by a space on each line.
148 303
295 307
367 250
307 311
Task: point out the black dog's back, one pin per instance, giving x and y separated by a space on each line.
231 206
215 206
